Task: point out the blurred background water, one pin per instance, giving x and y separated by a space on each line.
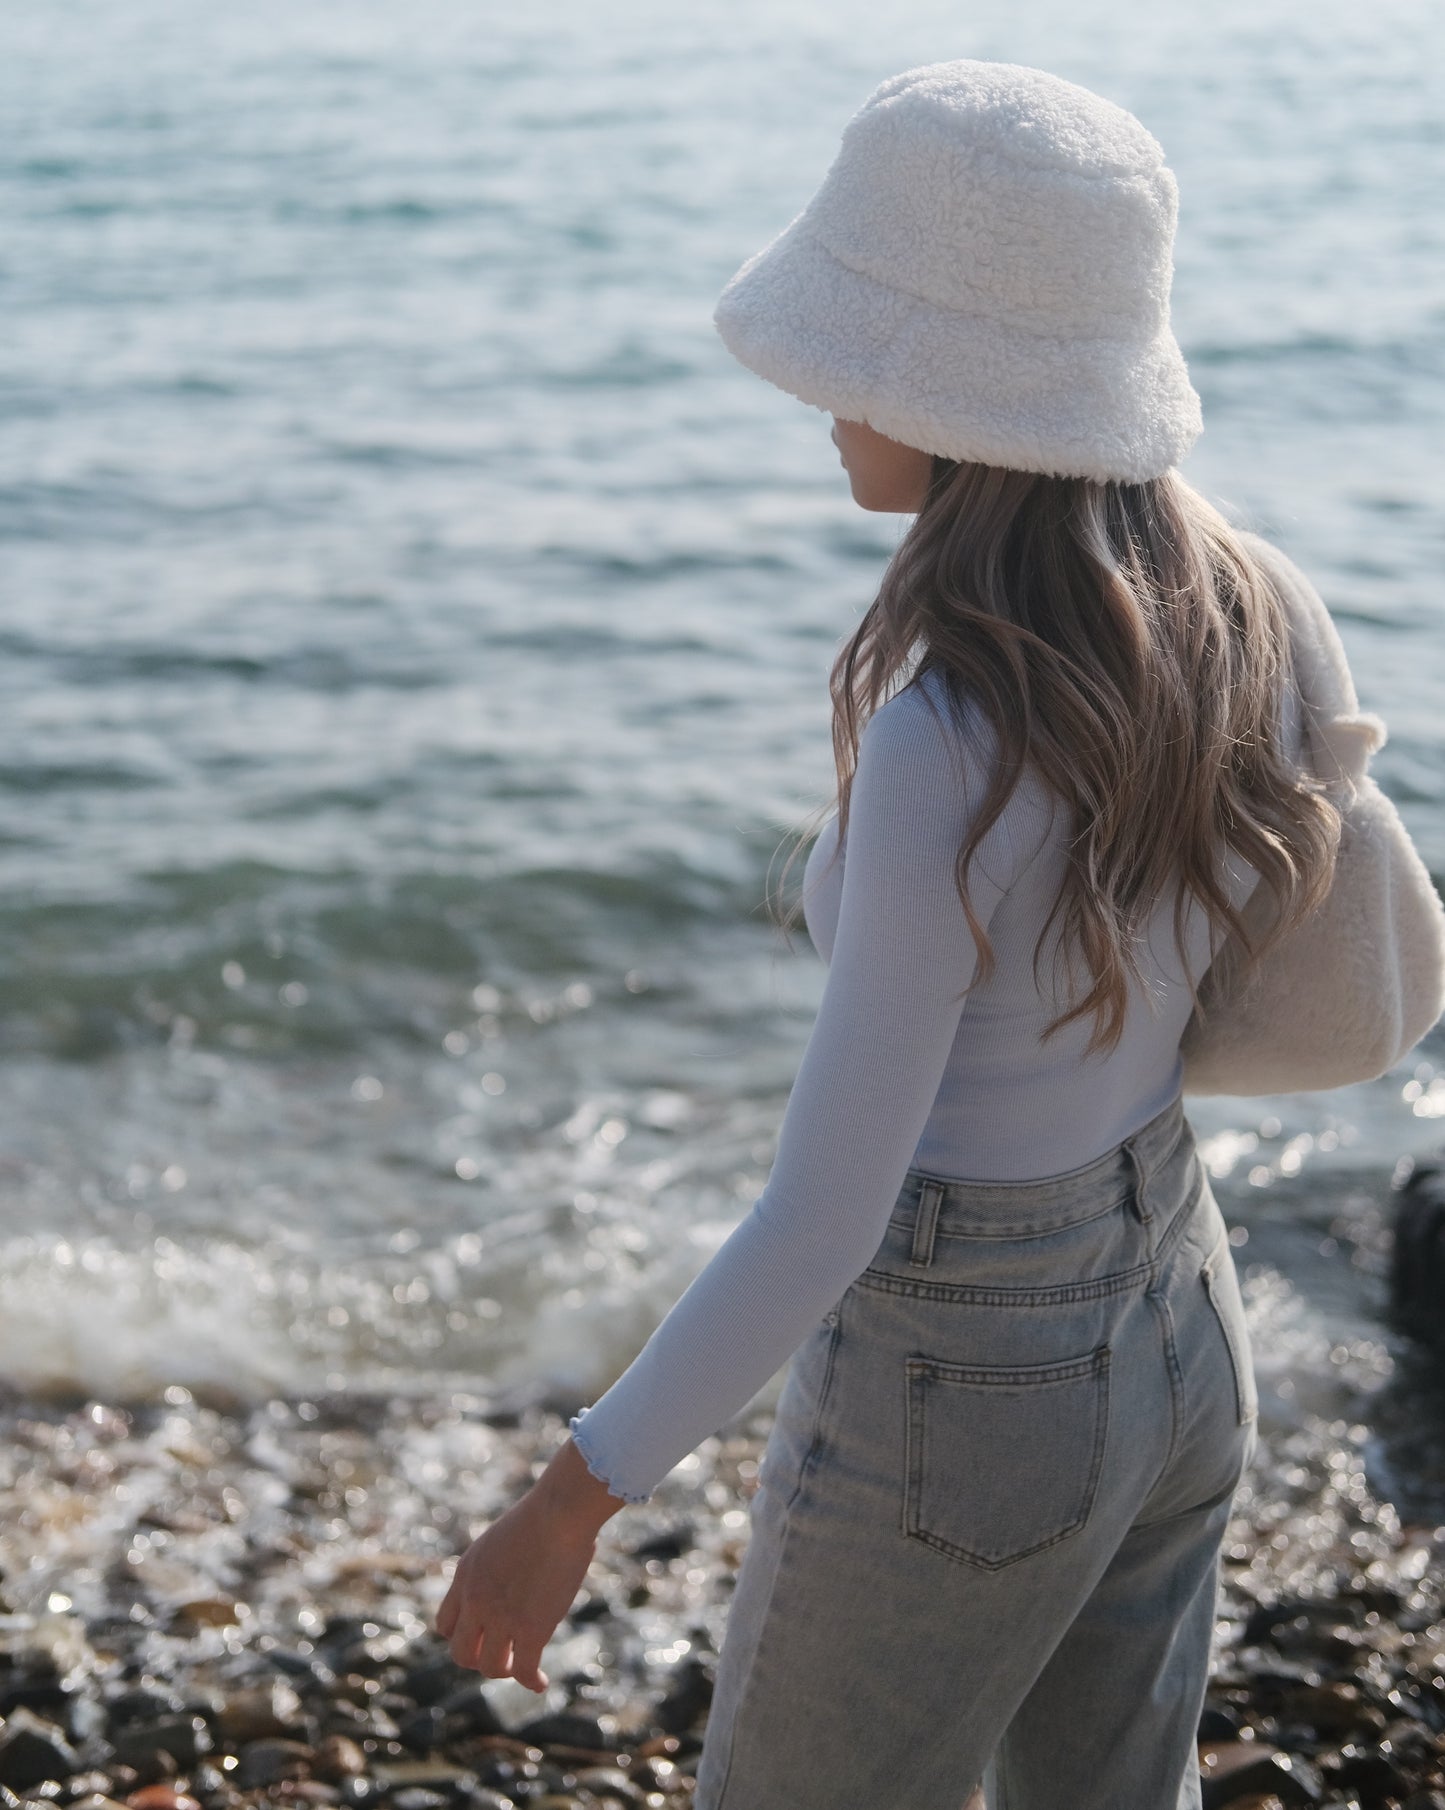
416 630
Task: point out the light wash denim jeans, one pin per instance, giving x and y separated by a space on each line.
987 1525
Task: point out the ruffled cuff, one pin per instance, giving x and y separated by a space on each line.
574 1428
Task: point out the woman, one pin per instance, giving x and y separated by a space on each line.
1020 1399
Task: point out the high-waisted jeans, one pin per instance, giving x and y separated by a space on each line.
987 1525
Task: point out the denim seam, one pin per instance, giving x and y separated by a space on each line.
825 1389
1015 1229
1243 1414
925 1227
1176 1379
1006 1297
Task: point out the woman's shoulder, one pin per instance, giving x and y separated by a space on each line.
934 726
929 717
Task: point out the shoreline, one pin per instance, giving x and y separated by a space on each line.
217 1609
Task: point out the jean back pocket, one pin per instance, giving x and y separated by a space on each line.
1221 1283
1003 1461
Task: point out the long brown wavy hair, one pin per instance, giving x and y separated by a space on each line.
1124 640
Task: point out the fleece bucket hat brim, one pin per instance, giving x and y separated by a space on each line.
984 274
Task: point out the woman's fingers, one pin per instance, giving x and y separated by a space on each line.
526 1662
467 1636
495 1648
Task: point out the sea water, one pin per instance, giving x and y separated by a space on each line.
416 631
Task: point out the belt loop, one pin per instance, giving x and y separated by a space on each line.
1141 1183
930 1197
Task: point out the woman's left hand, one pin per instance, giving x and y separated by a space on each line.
516 1581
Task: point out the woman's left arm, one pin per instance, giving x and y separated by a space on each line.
865 1087
516 1581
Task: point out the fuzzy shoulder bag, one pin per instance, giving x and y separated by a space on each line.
1350 991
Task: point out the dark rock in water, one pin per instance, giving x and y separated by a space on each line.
1293 1781
418 1797
688 1699
1365 1770
430 1681
345 1630
1417 1263
142 1703
268 1762
1425 1800
670 1545
592 1608
44 1695
485 1798
184 1738
1266 1619
566 1729
469 1712
423 1729
32 1750
1217 1725
308 1667
508 1772
1334 1708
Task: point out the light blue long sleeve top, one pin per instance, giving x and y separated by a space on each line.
901 1071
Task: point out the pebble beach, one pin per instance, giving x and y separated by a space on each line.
216 1608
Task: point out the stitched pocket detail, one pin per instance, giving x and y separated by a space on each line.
1221 1284
1003 1461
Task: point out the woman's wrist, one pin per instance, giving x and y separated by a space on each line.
570 1490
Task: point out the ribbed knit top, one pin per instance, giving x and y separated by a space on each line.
900 1071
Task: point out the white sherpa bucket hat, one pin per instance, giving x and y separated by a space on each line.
984 274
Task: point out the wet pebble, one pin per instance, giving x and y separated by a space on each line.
32 1750
183 1738
1267 1774
268 1762
142 1703
337 1757
609 1786
566 1729
161 1797
262 1710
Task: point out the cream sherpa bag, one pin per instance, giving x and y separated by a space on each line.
1349 992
